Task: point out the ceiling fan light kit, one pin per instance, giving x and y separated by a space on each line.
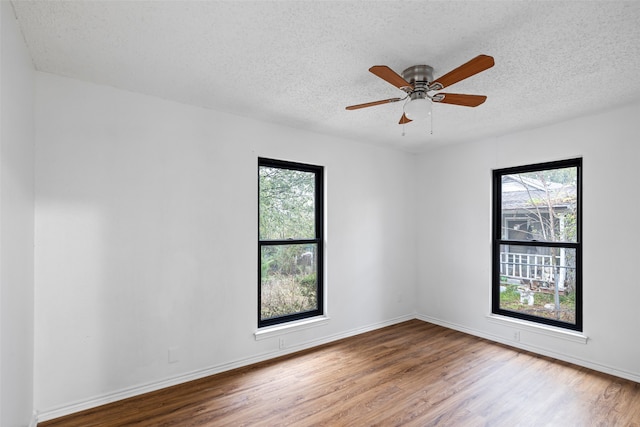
417 108
420 87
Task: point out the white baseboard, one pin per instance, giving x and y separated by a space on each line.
126 393
534 349
34 419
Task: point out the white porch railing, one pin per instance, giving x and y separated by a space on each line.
534 267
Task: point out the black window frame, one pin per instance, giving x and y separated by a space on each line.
318 240
498 241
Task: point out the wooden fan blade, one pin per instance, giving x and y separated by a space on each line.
390 76
460 99
371 104
404 119
476 65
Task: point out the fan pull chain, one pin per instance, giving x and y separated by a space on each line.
431 118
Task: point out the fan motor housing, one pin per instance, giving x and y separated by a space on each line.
418 75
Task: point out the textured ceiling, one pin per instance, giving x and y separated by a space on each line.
300 63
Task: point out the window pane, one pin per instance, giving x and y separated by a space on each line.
288 280
540 206
287 204
538 281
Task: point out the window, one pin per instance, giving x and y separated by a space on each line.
290 241
537 243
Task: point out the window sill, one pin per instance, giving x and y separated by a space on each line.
550 331
274 331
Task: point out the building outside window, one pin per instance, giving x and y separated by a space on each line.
537 243
290 241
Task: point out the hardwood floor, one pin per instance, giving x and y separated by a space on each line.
410 374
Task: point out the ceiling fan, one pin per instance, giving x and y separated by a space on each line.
418 83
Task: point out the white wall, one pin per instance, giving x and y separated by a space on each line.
146 228
455 259
16 224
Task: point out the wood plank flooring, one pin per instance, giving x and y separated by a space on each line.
410 374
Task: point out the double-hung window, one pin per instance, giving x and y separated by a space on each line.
290 241
537 243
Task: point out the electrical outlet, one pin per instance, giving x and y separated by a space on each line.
516 335
281 343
